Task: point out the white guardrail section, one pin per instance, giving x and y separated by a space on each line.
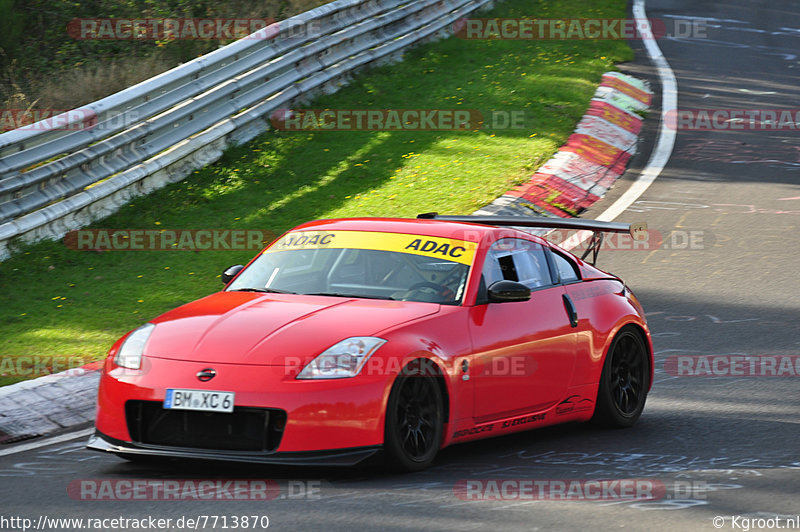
160 130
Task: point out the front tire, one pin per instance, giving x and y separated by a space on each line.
414 418
624 382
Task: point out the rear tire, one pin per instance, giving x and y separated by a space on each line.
624 382
414 419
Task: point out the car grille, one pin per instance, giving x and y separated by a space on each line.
245 429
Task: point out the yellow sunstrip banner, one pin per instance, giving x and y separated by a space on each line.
450 249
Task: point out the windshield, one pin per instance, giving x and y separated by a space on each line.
362 264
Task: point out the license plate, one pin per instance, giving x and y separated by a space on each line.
203 400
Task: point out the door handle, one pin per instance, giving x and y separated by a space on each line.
570 306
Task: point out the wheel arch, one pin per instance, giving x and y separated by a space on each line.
432 367
648 345
423 439
607 413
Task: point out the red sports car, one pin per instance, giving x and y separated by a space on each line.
347 338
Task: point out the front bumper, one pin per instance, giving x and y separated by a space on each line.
337 414
335 457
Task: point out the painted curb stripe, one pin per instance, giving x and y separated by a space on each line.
575 169
607 132
550 192
507 205
615 115
627 89
525 207
619 99
665 141
593 158
595 150
541 207
630 80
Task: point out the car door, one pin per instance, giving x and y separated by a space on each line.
588 299
524 351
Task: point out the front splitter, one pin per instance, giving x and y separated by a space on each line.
333 457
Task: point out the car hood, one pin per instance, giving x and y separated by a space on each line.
271 329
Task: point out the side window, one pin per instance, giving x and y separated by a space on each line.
566 269
492 271
532 266
519 260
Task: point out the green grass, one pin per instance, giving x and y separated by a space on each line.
56 302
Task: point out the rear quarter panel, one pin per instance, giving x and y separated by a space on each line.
603 309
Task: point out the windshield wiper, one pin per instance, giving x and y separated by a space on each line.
358 296
263 290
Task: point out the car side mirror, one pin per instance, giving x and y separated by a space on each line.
230 273
508 291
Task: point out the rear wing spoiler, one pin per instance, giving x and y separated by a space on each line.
638 231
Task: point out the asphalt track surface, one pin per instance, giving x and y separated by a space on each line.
722 446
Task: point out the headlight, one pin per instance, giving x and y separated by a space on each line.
342 360
130 353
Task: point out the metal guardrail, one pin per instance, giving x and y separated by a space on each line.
160 130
